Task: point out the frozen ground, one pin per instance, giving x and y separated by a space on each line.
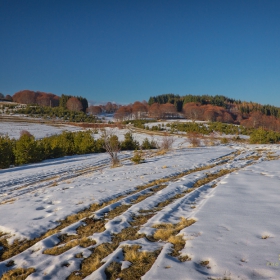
235 236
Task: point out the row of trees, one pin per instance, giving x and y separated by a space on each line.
72 103
29 150
194 111
230 104
36 97
222 109
57 112
180 101
109 108
5 98
139 110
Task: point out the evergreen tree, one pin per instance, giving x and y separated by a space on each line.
26 150
129 143
6 152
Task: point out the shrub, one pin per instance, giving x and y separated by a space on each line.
111 146
167 142
194 139
224 140
26 150
261 136
6 152
147 145
129 143
25 132
138 157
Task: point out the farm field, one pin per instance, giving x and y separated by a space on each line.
191 213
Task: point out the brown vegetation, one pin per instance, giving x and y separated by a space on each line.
36 97
74 104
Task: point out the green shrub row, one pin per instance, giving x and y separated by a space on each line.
56 112
29 150
262 136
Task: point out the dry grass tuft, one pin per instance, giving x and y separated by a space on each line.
265 236
164 233
10 263
58 250
178 244
185 258
91 226
161 152
167 232
79 255
94 261
212 176
131 253
117 211
18 273
112 271
204 263
272 156
141 219
141 262
170 200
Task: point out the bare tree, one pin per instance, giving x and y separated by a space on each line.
168 110
111 145
94 110
123 113
25 97
167 142
154 111
139 110
74 104
194 139
8 97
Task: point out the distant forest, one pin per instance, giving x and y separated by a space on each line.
217 100
69 102
216 108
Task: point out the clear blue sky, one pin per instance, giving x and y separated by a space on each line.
125 51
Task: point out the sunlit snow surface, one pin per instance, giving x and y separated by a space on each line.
13 129
231 218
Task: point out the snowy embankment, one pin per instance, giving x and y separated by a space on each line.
235 233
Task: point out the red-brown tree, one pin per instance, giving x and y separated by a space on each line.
139 110
94 110
74 104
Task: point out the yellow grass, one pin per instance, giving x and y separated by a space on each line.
17 274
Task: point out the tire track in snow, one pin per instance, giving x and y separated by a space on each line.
133 210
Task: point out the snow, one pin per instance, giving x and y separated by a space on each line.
236 228
13 129
242 209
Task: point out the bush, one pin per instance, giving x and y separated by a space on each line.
147 145
167 142
224 140
6 151
111 146
129 143
261 136
26 150
138 157
194 139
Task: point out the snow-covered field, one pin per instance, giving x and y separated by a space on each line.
231 192
13 129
